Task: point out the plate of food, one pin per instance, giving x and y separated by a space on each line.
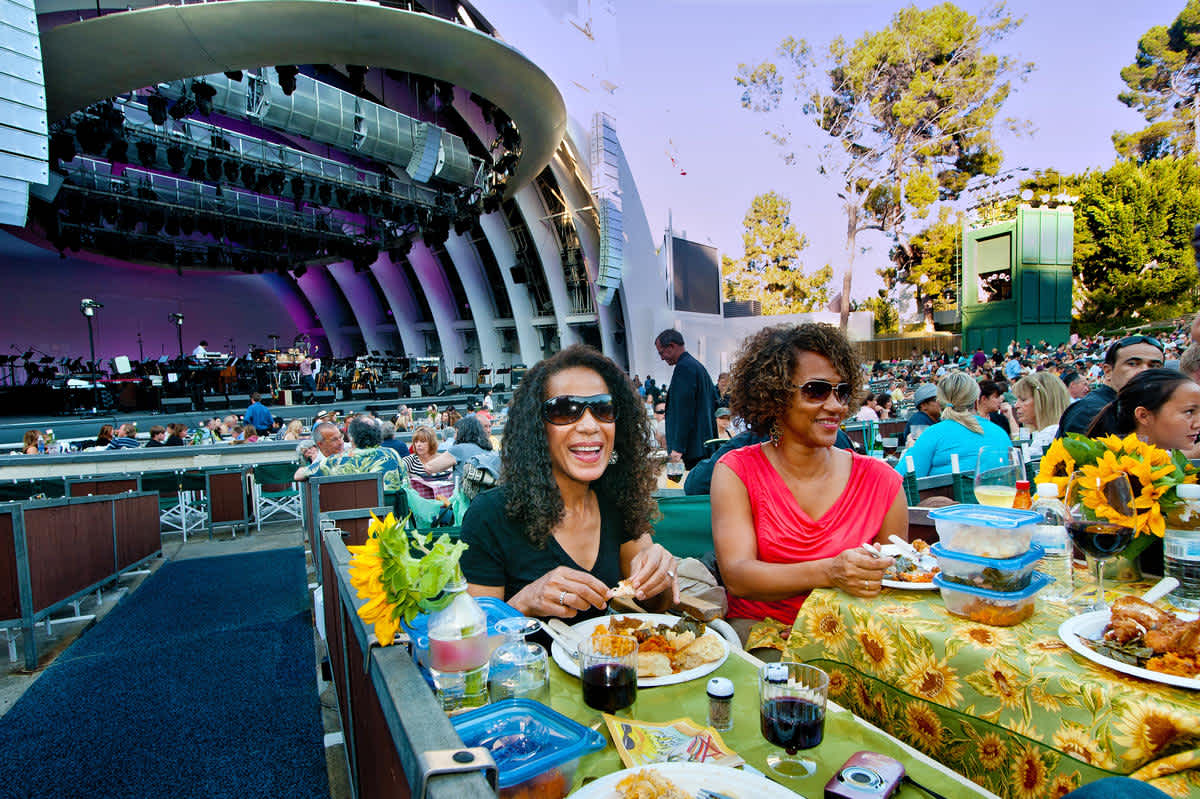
907 573
671 649
1139 639
683 781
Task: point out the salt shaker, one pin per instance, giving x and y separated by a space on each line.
720 704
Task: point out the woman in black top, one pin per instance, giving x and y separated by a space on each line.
572 515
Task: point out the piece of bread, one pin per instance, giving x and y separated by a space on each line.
704 649
623 589
653 664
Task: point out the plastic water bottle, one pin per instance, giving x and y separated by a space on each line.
458 650
1181 548
1051 535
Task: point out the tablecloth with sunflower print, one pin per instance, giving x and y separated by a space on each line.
1011 708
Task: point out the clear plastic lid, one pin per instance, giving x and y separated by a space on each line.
1037 581
720 687
496 609
1034 554
525 738
986 516
1188 491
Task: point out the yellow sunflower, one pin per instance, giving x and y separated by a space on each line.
1063 784
993 752
1000 680
1145 729
1028 774
825 624
379 612
984 637
876 645
903 611
837 682
923 727
1074 741
1057 467
929 678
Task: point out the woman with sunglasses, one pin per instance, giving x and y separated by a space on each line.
960 432
791 514
571 516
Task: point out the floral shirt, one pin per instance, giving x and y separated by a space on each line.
361 461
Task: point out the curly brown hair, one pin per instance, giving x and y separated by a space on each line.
760 383
533 498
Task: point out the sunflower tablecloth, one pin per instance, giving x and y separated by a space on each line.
1012 708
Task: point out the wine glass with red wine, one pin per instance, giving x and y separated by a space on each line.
1100 537
792 713
608 672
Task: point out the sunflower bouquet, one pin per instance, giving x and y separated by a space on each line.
401 573
1153 474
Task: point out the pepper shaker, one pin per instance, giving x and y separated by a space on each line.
720 704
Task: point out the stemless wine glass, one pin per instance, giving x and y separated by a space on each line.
792 713
519 668
608 671
997 470
1096 535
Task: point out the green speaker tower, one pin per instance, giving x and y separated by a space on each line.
1016 279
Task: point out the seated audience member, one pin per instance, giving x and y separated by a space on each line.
791 514
390 441
869 412
927 413
472 441
883 405
660 424
991 406
1123 359
327 442
722 418
294 430
103 438
29 442
365 455
570 520
1041 400
1077 385
1161 406
429 471
175 432
250 434
961 431
126 438
158 436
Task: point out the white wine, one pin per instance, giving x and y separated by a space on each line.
1000 496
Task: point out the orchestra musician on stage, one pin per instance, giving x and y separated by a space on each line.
308 378
201 350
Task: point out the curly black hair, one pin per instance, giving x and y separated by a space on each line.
533 498
760 382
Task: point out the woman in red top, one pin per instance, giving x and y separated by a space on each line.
789 515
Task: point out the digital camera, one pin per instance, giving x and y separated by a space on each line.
866 775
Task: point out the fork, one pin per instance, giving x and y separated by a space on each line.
704 793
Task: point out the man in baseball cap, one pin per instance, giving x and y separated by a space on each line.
928 410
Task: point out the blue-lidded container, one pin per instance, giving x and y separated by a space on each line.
418 630
985 530
997 608
536 749
994 574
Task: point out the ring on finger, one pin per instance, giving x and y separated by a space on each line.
562 597
866 585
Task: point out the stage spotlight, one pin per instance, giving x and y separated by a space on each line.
385 185
509 137
507 163
298 191
325 194
358 78
175 159
462 225
287 78
147 153
156 104
219 142
62 147
182 107
445 93
298 270
204 96
214 167
197 169
171 227
231 170
92 137
248 176
187 225
234 75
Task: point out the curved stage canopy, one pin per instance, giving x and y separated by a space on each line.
88 61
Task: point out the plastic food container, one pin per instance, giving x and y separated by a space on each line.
993 574
536 749
418 631
997 608
985 530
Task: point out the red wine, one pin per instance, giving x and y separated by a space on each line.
1100 539
609 686
792 722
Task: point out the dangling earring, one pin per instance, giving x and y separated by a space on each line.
612 458
776 434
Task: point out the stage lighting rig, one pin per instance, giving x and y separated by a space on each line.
287 78
156 105
182 107
204 95
88 307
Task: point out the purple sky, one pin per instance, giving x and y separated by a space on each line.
674 63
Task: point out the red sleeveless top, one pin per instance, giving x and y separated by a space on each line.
787 535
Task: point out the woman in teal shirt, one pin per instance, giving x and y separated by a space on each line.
960 432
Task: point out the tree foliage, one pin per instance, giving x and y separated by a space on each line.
907 112
1133 231
927 260
770 269
1164 85
887 319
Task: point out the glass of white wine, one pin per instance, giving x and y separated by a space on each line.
997 470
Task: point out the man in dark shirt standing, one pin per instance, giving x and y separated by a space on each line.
1123 360
258 415
691 400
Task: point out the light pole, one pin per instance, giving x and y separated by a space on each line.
177 318
88 308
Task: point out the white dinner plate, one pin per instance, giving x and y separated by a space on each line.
892 551
691 777
1091 626
583 630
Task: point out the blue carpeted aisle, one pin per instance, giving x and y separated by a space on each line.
201 683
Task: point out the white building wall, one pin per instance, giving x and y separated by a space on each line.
403 304
470 272
495 227
364 302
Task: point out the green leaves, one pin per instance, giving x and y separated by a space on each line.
1164 85
415 574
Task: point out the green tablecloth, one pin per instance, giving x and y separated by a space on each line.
844 734
1012 708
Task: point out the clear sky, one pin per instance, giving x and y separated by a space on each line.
674 61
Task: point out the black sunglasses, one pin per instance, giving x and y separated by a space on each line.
819 390
568 410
